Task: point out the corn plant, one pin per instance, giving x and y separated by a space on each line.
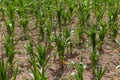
10 28
83 11
100 72
94 59
50 10
92 33
61 46
113 17
102 33
48 31
80 34
83 16
39 12
99 9
65 17
80 70
94 56
59 10
11 12
71 6
39 60
9 48
23 17
2 9
115 30
67 36
24 23
113 11
5 71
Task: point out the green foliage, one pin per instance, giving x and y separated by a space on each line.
113 17
24 23
10 28
92 33
9 48
5 70
100 72
83 16
61 45
38 60
80 70
55 20
102 33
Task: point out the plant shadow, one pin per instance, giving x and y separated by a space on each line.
57 74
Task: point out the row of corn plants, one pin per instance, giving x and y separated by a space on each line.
7 65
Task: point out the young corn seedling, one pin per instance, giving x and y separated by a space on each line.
102 33
59 9
80 30
84 11
115 30
39 60
9 48
11 13
67 36
2 9
80 70
49 14
94 56
65 17
83 16
42 23
48 31
61 46
100 72
23 17
92 33
24 23
94 59
112 11
50 11
99 10
5 71
39 12
113 17
71 6
10 28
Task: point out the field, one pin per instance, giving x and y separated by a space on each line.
59 39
